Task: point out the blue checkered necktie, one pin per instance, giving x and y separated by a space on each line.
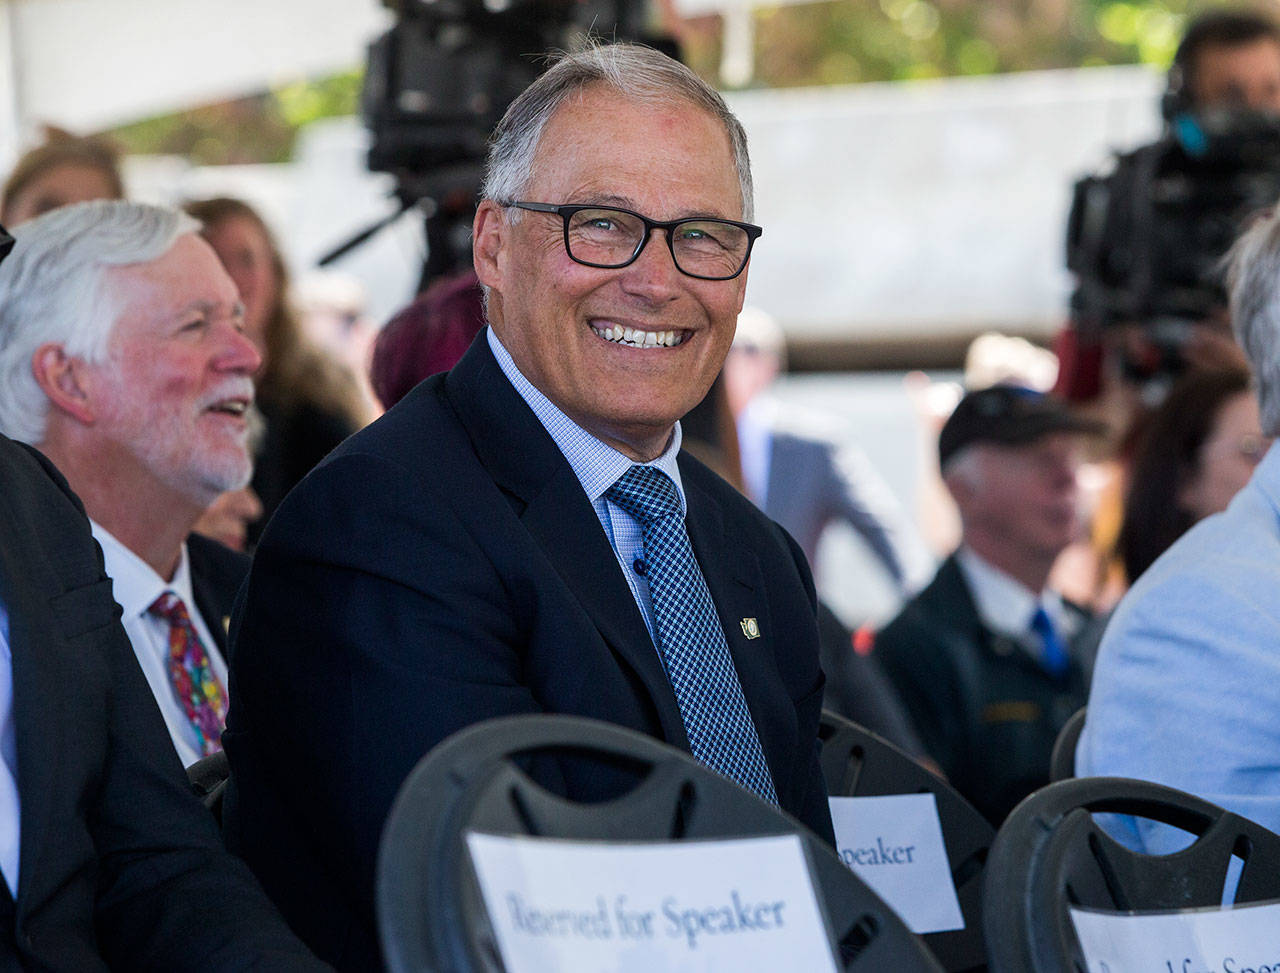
1053 654
716 719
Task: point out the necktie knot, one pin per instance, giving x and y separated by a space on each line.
645 493
170 607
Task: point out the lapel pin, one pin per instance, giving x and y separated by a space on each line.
750 628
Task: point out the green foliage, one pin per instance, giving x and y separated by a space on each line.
832 42
260 128
843 41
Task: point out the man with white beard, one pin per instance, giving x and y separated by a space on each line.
123 360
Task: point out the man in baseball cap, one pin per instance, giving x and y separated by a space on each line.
984 657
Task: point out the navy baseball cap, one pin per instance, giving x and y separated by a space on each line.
1009 415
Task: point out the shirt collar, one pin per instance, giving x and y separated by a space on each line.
134 584
596 465
1004 604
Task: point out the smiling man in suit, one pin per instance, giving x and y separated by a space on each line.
523 534
122 358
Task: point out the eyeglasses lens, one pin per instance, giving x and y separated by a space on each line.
702 248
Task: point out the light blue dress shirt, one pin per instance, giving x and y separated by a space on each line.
597 468
1186 689
10 817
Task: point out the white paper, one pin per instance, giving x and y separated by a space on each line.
894 844
1242 939
745 904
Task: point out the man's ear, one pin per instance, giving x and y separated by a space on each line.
62 378
488 243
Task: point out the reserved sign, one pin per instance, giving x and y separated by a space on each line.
1236 939
745 904
895 845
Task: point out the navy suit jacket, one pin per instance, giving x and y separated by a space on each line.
442 567
119 864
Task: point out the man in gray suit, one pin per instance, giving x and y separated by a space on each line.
799 475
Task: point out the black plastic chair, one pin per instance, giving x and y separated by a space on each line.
431 915
1050 854
1062 762
858 763
208 778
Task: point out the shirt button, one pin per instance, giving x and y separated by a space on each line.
641 566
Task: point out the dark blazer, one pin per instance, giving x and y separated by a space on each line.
986 711
216 575
442 567
119 864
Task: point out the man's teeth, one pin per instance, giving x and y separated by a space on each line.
639 339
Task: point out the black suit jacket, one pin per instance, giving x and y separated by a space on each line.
987 712
216 575
119 864
444 566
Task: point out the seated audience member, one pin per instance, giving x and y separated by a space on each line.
427 337
523 534
108 860
1186 691
1198 450
798 475
64 169
983 658
309 401
331 308
139 396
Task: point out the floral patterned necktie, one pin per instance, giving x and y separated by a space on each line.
191 674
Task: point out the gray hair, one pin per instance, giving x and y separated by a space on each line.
635 72
52 289
1253 279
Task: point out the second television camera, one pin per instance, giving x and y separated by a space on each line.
1146 241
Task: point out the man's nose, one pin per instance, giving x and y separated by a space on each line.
654 273
239 353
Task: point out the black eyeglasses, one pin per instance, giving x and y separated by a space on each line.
609 238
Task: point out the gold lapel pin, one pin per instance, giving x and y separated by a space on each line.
750 628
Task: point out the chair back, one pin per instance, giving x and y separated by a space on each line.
1062 762
858 763
1051 854
431 913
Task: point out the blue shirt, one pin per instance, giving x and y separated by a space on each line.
597 467
1186 687
10 830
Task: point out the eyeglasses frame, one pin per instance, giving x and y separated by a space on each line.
566 210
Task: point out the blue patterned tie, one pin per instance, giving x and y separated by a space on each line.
716 719
1054 653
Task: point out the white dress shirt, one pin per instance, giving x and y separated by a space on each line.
1006 606
10 819
136 587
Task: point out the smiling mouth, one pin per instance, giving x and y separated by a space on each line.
635 338
231 407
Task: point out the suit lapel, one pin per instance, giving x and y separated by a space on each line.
525 462
209 600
